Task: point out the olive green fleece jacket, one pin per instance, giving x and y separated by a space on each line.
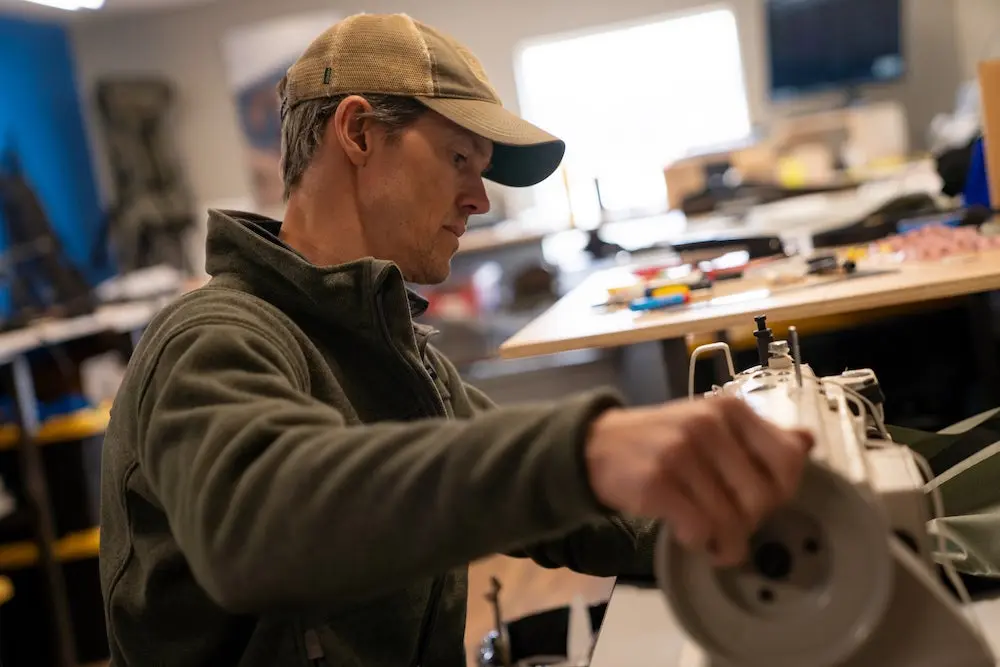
294 477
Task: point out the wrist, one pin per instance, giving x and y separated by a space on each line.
596 454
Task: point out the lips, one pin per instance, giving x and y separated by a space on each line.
457 230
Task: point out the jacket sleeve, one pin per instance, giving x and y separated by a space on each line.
277 503
608 546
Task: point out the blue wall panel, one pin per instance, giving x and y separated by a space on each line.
40 113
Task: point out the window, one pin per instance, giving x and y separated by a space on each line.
627 102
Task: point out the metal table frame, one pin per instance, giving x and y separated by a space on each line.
18 381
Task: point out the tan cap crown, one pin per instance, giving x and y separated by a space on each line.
393 54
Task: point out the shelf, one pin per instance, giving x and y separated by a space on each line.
77 425
73 547
6 590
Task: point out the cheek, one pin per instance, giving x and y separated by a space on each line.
382 193
411 196
434 193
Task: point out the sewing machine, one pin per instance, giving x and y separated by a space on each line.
846 574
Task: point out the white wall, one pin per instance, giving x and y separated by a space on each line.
977 24
185 46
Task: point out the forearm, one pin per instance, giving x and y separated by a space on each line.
609 546
276 503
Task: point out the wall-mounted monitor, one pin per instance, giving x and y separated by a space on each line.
819 45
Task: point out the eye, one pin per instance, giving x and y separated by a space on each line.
459 160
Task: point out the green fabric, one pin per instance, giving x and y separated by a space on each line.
926 444
972 541
967 468
291 470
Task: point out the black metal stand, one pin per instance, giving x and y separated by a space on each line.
655 371
675 362
20 386
17 376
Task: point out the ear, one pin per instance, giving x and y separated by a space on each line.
352 129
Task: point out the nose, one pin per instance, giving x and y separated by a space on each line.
474 200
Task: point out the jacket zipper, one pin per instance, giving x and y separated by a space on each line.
435 409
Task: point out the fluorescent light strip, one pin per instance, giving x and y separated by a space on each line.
69 5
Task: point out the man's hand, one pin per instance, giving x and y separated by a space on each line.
710 469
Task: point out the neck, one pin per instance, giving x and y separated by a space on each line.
325 235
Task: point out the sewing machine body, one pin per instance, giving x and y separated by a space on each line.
845 576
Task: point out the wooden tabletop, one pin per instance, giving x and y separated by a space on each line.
575 323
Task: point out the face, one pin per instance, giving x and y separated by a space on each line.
416 190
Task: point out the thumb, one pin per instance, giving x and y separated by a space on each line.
804 438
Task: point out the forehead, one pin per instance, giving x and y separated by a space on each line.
448 130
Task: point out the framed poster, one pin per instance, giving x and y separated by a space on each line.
256 57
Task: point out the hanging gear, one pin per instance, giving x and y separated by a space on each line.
154 211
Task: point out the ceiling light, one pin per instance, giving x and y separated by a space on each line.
70 5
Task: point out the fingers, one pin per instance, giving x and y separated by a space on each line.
741 469
779 451
744 477
712 470
727 529
688 522
700 467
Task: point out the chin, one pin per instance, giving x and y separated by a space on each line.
430 275
438 277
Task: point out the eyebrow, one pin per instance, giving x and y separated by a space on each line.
476 147
467 137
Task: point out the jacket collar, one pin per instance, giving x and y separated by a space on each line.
243 251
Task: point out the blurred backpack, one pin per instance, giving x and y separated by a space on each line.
33 264
153 211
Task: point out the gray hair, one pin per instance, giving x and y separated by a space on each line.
303 126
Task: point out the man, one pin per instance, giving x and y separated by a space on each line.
294 476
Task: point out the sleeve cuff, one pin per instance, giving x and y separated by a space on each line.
583 410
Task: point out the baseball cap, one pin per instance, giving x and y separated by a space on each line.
393 54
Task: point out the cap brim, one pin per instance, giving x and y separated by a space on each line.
523 154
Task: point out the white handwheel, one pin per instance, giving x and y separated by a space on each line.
818 581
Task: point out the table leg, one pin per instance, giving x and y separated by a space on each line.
654 372
21 386
640 372
676 362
